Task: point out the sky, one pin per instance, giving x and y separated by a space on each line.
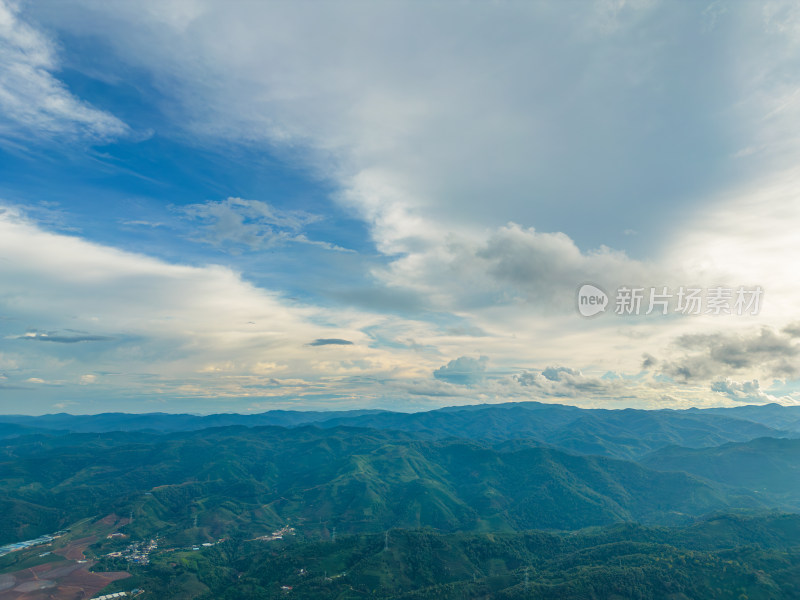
213 206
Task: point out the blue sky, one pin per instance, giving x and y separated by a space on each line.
210 206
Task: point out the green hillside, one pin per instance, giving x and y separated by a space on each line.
202 485
770 467
720 558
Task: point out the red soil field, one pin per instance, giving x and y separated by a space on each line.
63 580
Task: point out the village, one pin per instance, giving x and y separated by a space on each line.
139 552
277 534
136 552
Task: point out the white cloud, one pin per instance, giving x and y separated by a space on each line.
748 236
237 223
160 328
121 323
746 391
566 382
439 144
466 125
513 265
464 370
32 99
706 356
457 133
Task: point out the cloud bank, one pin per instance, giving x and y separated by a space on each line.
32 99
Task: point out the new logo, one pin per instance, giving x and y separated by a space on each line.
591 300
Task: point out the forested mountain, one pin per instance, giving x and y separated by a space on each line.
358 479
774 415
617 433
470 502
768 466
719 558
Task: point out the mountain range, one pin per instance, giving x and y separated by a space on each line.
628 433
457 481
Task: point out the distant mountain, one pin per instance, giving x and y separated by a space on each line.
616 433
205 484
168 422
773 415
12 430
770 467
